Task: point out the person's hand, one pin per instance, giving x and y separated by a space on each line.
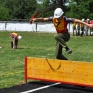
32 20
91 25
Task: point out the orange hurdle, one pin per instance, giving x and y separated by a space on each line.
63 71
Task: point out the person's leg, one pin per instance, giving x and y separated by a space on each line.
83 32
11 44
87 31
59 52
16 43
73 30
62 39
78 32
82 29
14 46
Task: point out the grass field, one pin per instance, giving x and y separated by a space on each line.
36 45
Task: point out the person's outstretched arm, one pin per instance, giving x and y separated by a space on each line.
80 21
39 19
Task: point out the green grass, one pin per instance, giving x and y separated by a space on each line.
36 45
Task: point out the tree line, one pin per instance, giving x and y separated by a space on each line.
24 9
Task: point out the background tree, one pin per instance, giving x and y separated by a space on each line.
80 9
20 9
24 9
4 13
50 5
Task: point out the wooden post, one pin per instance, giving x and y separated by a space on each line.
36 26
25 70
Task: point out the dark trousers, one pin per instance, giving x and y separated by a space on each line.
82 29
61 39
15 45
74 30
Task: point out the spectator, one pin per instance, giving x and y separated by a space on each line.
78 29
74 28
82 27
87 28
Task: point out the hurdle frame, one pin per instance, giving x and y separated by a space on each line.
26 77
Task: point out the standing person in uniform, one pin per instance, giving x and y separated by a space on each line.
82 28
74 28
15 37
60 23
78 29
87 28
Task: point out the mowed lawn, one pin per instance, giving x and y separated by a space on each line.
36 44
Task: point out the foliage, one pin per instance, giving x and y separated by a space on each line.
4 13
20 9
81 9
24 9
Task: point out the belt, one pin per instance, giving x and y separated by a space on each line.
63 31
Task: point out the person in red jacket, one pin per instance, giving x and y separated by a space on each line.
60 23
15 37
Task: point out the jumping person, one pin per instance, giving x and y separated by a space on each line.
15 37
60 23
